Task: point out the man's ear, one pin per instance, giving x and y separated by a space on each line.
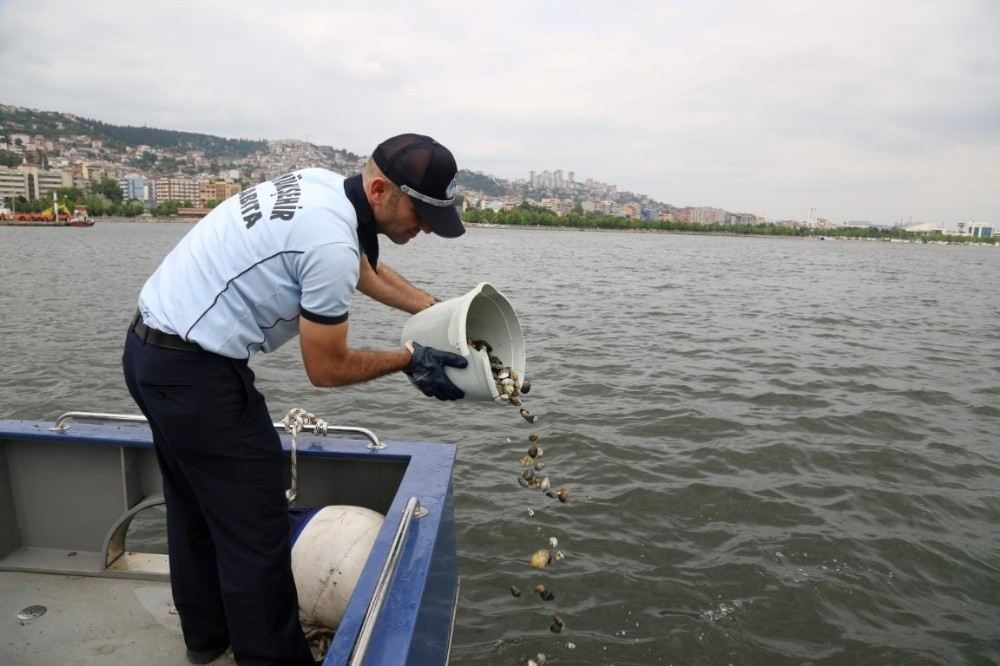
378 190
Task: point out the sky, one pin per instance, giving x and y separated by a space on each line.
883 110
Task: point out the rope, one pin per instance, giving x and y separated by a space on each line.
295 420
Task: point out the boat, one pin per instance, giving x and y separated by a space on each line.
72 589
56 215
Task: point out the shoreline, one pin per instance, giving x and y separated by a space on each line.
567 228
541 227
174 219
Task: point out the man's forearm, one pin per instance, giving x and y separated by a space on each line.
357 365
389 288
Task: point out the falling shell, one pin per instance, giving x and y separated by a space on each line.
540 558
544 593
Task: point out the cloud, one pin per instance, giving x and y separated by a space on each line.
861 109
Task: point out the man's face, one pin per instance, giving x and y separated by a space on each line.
397 218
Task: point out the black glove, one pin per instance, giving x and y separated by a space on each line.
426 371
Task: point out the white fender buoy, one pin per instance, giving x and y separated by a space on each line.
327 559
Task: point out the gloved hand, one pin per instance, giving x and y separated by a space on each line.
426 371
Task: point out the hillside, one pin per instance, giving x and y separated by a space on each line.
52 125
51 139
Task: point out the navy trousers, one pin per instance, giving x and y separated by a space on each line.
227 519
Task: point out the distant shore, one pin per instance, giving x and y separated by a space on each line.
172 219
541 227
815 237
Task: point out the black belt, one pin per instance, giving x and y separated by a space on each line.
159 338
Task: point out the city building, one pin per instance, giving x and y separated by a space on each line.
925 228
175 189
629 211
31 182
135 188
13 182
212 192
705 215
746 218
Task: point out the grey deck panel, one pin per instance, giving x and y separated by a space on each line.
90 621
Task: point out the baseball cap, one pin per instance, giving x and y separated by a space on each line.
426 171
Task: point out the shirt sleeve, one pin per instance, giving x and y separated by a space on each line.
328 276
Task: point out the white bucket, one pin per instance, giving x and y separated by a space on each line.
481 314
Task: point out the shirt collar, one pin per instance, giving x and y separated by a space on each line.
367 231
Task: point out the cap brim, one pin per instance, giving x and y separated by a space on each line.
443 220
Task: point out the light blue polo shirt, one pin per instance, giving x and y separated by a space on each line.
238 281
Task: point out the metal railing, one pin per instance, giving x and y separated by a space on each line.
64 419
410 511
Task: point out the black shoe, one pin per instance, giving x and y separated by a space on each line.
205 656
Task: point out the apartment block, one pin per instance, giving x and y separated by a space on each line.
215 191
176 189
135 187
31 182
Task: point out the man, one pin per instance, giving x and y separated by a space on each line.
280 259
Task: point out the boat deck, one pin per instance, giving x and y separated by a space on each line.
131 624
